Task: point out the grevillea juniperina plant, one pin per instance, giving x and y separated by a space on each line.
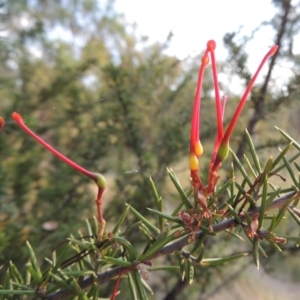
221 146
107 256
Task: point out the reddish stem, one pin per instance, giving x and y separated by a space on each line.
99 203
116 288
101 220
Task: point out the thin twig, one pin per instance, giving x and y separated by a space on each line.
168 249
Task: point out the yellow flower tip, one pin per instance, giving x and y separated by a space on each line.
205 60
194 164
100 180
198 149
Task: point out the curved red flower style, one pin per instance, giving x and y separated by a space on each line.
221 148
98 178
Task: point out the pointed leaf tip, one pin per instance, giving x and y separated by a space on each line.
17 117
211 45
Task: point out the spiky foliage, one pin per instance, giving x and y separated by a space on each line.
248 206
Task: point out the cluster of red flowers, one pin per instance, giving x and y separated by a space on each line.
221 147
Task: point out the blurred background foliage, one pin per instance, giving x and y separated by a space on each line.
87 84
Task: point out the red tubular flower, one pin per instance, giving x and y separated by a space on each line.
2 122
217 141
98 178
211 46
95 176
196 149
221 147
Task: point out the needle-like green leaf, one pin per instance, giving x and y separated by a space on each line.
247 161
190 271
263 203
183 196
34 262
289 138
117 261
280 156
241 168
182 262
294 216
130 249
120 220
253 152
158 202
291 172
152 228
136 276
132 289
219 261
166 216
256 252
